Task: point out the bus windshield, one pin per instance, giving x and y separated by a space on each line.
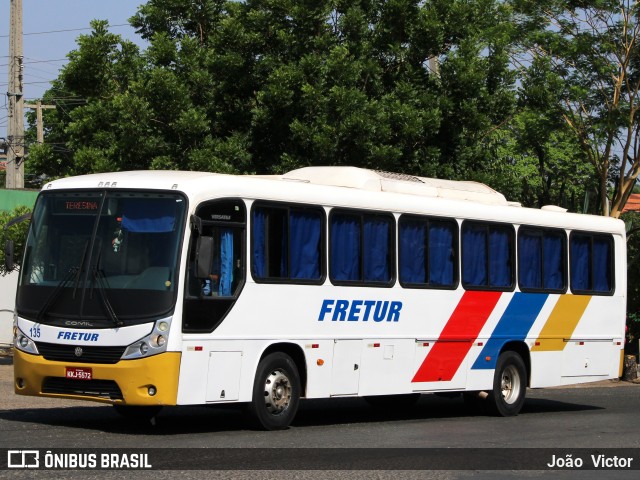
101 258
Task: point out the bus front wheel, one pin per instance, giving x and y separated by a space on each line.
509 385
276 392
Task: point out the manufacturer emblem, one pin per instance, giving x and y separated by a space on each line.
78 351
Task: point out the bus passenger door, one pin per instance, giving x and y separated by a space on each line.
345 373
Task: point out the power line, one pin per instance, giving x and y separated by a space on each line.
26 83
67 30
38 61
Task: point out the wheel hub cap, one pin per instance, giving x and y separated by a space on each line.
277 392
510 384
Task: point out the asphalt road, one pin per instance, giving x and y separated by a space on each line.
558 420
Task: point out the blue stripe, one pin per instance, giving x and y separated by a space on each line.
517 320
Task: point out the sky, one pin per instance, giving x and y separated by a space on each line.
46 47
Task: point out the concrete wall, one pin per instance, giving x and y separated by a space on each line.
8 284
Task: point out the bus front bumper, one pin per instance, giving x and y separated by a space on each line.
146 381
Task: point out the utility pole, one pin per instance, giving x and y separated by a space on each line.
15 133
434 66
39 124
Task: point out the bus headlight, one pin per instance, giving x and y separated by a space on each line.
24 343
159 340
152 344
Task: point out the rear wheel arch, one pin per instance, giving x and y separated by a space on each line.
297 355
509 384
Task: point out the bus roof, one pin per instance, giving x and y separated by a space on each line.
349 187
350 177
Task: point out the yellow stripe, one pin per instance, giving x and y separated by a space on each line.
621 368
561 323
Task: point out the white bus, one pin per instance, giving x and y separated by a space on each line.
145 289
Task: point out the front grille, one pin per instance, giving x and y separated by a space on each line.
87 388
90 354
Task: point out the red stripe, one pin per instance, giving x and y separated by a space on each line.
457 336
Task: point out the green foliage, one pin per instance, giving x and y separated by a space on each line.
633 332
632 221
264 86
592 48
17 233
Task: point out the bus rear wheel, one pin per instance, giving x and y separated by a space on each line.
276 392
509 385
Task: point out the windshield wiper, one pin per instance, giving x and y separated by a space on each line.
73 272
99 279
98 276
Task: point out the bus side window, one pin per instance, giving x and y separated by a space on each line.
428 252
591 263
287 243
214 263
487 256
361 248
542 260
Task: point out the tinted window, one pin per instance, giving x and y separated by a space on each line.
211 296
541 259
591 263
287 243
361 247
427 252
487 256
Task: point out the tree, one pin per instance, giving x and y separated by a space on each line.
264 86
97 125
592 46
17 233
632 219
538 160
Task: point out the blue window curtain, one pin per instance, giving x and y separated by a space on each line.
499 258
580 262
226 262
259 243
553 262
602 262
412 239
376 257
306 232
541 259
344 245
149 216
284 247
530 260
441 254
474 255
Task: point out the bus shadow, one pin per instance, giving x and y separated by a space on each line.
321 412
429 407
170 420
543 405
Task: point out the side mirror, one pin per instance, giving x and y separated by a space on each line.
204 256
9 264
